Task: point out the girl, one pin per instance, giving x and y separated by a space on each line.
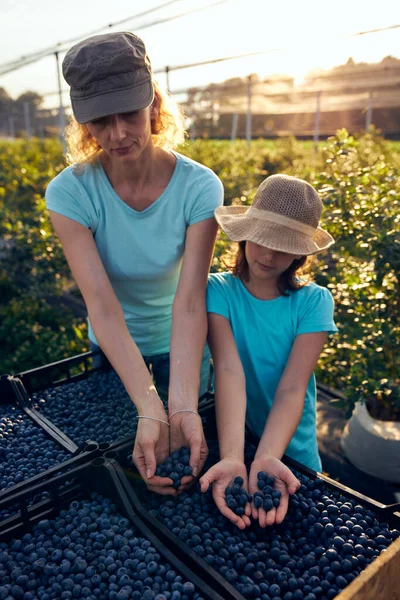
267 327
136 221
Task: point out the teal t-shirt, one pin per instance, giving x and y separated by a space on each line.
264 331
141 251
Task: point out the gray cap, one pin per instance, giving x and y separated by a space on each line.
108 74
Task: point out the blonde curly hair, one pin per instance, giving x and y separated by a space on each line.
167 130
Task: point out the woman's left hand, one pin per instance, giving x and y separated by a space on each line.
285 482
186 429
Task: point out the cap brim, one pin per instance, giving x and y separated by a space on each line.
111 103
239 226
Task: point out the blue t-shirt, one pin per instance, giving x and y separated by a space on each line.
264 331
141 251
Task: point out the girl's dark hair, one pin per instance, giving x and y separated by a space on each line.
288 281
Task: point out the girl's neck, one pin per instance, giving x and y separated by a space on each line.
266 289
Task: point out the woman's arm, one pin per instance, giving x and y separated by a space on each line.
283 421
107 319
230 407
188 338
230 388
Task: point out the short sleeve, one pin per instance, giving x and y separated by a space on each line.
209 198
65 196
316 313
216 297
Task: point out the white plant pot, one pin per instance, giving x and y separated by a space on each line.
372 446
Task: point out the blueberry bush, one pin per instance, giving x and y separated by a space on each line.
360 187
34 328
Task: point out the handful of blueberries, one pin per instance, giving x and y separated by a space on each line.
236 497
176 466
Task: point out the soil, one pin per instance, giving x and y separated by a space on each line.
382 412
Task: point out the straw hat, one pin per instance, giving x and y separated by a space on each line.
284 216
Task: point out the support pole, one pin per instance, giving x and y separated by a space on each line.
248 116
167 78
27 119
61 115
317 122
368 116
235 118
11 127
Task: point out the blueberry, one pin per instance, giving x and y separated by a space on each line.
258 502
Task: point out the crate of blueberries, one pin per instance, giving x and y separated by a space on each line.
332 543
58 392
30 443
84 540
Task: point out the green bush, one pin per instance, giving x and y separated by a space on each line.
33 270
360 185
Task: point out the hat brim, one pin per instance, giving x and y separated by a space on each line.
239 226
114 102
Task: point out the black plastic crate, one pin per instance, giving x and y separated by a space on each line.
130 479
102 476
50 390
108 415
389 514
30 445
91 451
13 394
67 370
12 391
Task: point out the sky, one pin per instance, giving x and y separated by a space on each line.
295 37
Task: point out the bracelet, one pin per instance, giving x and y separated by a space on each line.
184 410
153 419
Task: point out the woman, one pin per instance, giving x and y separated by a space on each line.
136 223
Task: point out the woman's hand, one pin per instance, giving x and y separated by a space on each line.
186 429
221 475
285 482
152 448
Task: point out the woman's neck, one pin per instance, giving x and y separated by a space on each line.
135 173
141 182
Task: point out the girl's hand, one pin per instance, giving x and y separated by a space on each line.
285 482
221 475
186 429
152 448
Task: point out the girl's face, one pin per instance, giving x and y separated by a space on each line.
265 263
124 136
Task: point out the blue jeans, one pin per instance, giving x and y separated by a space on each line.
159 367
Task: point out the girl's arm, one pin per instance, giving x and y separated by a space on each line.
230 407
188 338
107 319
284 418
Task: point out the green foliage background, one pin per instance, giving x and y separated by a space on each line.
359 182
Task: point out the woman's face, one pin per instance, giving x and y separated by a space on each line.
124 136
265 263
